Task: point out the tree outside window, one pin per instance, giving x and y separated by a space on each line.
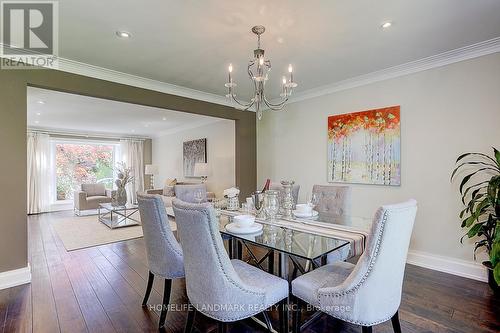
78 164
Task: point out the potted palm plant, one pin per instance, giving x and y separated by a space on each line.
480 192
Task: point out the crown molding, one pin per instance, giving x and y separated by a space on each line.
75 67
446 58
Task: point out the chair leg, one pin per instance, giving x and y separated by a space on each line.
166 301
190 319
148 288
296 314
267 320
366 329
221 327
283 316
395 323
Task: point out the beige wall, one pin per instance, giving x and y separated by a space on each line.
13 86
167 154
444 112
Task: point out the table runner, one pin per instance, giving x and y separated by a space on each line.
355 236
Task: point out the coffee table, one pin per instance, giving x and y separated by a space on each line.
118 216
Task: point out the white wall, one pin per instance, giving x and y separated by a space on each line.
167 154
444 112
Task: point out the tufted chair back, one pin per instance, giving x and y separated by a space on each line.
164 252
334 202
186 192
373 289
210 277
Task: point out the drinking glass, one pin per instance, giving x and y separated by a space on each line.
271 204
198 196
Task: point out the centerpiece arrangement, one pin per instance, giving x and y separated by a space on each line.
481 215
124 177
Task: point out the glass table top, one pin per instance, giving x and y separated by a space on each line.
297 243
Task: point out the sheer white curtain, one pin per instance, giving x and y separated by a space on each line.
39 163
133 156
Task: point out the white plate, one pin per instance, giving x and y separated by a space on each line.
236 229
305 215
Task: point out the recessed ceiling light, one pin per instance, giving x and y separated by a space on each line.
123 34
386 25
38 113
40 102
164 118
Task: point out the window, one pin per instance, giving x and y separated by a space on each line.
79 163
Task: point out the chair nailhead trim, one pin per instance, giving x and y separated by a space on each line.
365 276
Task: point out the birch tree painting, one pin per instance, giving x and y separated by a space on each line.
365 147
193 152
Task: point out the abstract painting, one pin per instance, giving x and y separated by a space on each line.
194 151
365 147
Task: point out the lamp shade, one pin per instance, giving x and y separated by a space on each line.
151 169
201 169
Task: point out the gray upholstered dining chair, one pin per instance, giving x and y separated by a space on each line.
222 289
163 251
333 203
187 193
369 292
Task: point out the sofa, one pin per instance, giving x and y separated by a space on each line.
168 193
90 196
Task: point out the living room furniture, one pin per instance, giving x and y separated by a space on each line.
168 193
90 196
117 216
369 292
239 289
188 193
164 253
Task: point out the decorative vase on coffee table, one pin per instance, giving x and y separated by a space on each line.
121 197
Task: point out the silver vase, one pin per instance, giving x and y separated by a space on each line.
287 200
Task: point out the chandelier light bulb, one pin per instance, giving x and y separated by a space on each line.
230 68
290 69
261 61
284 80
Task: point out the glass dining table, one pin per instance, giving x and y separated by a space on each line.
293 245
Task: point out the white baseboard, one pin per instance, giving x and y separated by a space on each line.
468 269
15 277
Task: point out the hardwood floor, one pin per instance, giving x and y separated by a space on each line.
100 289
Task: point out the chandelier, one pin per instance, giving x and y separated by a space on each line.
258 71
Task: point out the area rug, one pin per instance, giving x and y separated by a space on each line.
78 232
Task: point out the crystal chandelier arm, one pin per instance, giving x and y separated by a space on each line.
246 106
275 107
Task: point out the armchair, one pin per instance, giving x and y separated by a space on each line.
90 196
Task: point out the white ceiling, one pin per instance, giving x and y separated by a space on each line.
190 43
88 115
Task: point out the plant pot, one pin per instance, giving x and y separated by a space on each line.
491 278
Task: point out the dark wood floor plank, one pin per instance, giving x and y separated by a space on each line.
18 316
45 313
100 289
92 310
